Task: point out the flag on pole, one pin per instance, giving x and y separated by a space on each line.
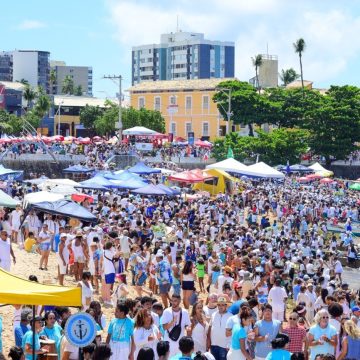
288 167
230 153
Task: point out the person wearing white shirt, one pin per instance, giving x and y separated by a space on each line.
219 340
15 220
276 298
125 247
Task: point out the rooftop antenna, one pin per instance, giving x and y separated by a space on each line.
267 49
177 23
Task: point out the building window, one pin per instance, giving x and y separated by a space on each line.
205 102
173 128
141 102
157 103
205 129
172 100
188 128
188 103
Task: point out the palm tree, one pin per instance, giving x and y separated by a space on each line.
78 91
42 107
299 47
52 80
257 62
29 95
288 76
68 85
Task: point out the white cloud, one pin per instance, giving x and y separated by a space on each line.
31 24
329 31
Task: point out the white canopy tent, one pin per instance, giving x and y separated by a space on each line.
139 130
229 165
37 197
263 170
317 167
50 183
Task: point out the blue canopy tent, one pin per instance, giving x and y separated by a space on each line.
142 169
128 184
150 190
65 208
167 189
9 174
78 169
121 175
97 182
295 168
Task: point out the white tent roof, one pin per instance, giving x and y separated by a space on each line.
139 130
229 165
317 167
37 197
166 171
50 183
261 169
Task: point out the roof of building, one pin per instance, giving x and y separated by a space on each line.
178 85
13 85
297 84
78 101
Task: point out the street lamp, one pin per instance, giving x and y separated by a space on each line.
227 92
58 113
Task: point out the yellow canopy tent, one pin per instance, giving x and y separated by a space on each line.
15 290
221 182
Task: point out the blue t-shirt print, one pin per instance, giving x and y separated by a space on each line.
121 330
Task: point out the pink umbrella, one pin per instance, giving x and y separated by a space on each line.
326 181
303 179
314 177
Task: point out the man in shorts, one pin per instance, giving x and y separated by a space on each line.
163 274
62 257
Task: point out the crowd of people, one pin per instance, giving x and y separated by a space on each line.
253 275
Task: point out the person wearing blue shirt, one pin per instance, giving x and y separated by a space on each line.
52 330
27 342
121 333
237 349
265 331
21 329
186 347
278 346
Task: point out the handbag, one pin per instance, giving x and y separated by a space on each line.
175 332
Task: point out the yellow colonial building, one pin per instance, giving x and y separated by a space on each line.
186 105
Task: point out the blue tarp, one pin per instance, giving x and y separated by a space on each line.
141 168
65 208
78 169
9 174
128 184
151 190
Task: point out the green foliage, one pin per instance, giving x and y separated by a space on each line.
78 90
68 85
288 76
335 125
275 147
89 114
29 95
247 106
103 120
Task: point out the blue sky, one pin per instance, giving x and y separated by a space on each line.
100 33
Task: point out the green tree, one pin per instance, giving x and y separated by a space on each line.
78 90
42 107
335 125
288 76
6 122
248 107
257 61
68 85
52 80
89 114
289 108
29 95
299 47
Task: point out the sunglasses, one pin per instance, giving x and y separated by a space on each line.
293 318
324 317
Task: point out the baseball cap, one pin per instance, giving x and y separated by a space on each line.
355 309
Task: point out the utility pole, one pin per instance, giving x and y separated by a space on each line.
119 125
